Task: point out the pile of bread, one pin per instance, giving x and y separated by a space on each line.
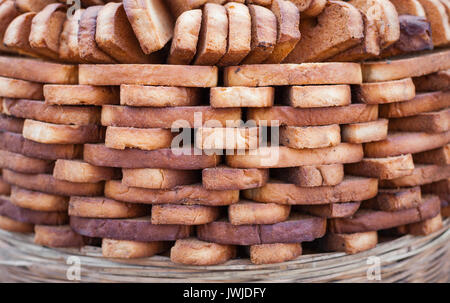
213 130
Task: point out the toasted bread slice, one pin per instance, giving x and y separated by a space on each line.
440 188
365 132
47 184
13 88
274 253
242 96
409 7
314 9
248 212
177 7
184 214
11 124
122 249
50 133
219 138
342 25
5 188
425 227
24 164
437 16
264 34
82 172
155 178
317 96
350 189
382 168
167 117
293 74
38 201
332 210
146 74
99 155
159 96
115 36
239 34
212 42
195 252
227 178
142 138
385 92
57 236
15 226
302 5
405 143
38 110
310 136
185 37
395 199
256 2
311 176
431 122
193 194
99 207
433 82
68 40
350 243
422 174
151 22
439 156
422 103
80 95
8 12
33 5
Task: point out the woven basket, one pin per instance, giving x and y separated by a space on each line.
405 259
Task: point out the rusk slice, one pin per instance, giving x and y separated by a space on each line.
159 96
425 227
122 249
5 188
38 201
365 132
431 122
409 7
274 253
195 252
32 5
242 96
219 138
8 12
311 176
184 214
156 178
24 164
422 174
310 136
15 226
317 96
80 95
333 210
57 236
349 243
49 133
314 9
227 178
17 34
141 138
13 88
439 156
99 207
395 199
248 212
68 43
81 172
350 189
437 16
440 188
433 82
382 168
385 92
184 194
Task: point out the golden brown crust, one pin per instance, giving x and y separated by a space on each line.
39 201
82 172
184 214
99 207
382 168
248 212
274 253
350 243
195 252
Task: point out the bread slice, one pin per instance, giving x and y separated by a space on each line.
409 7
5 188
115 36
13 88
425 227
18 144
193 194
87 45
99 207
49 133
80 95
68 40
422 174
292 74
239 34
310 136
227 178
290 116
433 82
184 214
185 37
349 190
440 188
302 5
288 22
24 164
385 92
167 117
382 168
140 74
256 2
423 102
122 249
314 9
99 155
413 66
264 34
38 201
317 96
151 22
8 12
332 210
212 42
38 71
177 7
47 184
431 122
159 96
349 243
155 178
311 176
365 132
11 124
339 27
248 212
57 236
38 110
141 138
195 252
439 156
15 226
239 96
437 16
32 5
395 199
82 172
274 253
219 138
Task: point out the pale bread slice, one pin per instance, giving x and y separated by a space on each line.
123 249
240 96
431 122
24 164
439 156
309 96
311 176
349 243
195 252
310 136
227 178
155 178
248 212
100 207
395 199
440 25
38 201
80 95
365 132
142 138
82 172
159 96
14 88
385 92
184 214
382 168
220 138
274 253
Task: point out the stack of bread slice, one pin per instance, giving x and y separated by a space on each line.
274 125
